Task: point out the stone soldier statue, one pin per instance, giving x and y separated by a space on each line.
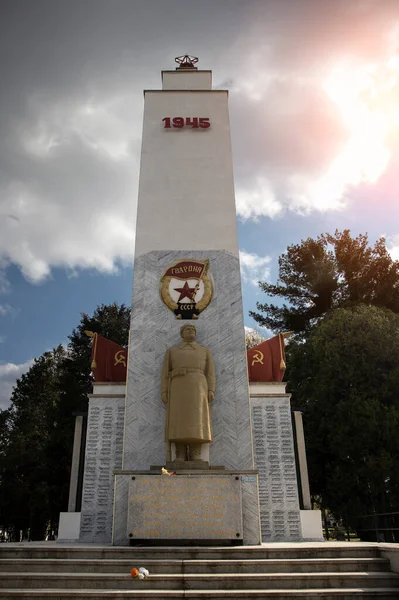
188 386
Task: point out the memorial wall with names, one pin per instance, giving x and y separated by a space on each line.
275 460
104 443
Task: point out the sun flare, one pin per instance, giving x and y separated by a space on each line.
368 99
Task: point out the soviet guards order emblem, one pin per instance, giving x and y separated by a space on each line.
187 288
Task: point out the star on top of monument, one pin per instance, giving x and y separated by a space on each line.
186 61
186 292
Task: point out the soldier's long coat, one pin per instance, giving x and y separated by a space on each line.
188 375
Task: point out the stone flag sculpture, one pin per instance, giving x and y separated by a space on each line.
266 361
108 359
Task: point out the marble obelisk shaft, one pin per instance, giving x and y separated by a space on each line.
186 210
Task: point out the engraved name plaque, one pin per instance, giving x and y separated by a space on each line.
275 460
185 507
103 455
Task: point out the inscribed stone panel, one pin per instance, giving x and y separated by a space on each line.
185 507
103 455
275 460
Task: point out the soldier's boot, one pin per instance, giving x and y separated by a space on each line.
195 451
180 452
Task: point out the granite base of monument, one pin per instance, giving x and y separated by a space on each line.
192 465
195 506
185 507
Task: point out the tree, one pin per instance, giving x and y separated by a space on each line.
346 376
36 432
27 434
111 321
329 272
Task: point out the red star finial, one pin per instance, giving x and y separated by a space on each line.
186 61
186 292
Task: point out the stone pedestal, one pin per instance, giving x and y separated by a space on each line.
103 455
214 506
275 459
188 464
184 507
69 527
312 526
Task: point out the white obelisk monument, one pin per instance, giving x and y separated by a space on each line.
186 243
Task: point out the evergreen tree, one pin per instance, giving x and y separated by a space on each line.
36 432
111 321
329 272
28 430
346 376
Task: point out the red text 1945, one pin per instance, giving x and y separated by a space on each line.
180 122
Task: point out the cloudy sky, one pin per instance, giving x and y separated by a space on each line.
314 103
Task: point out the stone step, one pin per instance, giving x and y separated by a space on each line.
255 581
52 550
281 594
176 567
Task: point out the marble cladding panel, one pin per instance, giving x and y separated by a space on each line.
119 536
185 507
154 328
250 510
103 454
275 461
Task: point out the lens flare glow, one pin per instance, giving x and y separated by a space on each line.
368 99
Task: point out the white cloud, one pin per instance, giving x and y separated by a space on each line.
394 252
261 331
254 268
78 209
305 138
5 309
258 201
9 373
393 246
305 131
4 283
257 335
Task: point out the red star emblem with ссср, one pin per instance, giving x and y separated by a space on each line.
186 292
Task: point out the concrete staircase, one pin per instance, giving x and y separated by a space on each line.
305 571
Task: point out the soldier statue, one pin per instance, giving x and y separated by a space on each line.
188 386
